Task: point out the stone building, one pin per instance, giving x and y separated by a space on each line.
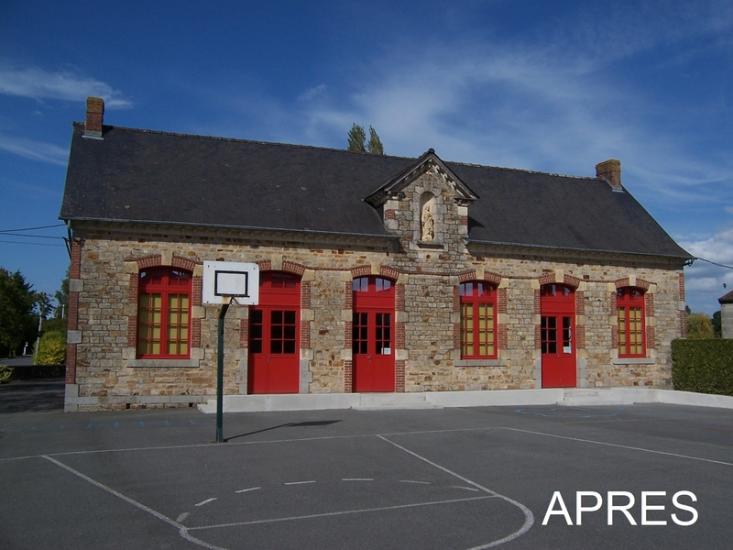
726 315
378 273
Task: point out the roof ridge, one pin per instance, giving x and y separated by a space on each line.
527 170
334 149
242 140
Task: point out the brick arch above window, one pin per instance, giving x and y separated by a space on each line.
156 260
626 282
489 277
552 277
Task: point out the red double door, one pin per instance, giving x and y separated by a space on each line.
373 335
557 331
274 325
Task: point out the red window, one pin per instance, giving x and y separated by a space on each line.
630 308
164 312
478 320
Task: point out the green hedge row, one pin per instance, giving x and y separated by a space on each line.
703 366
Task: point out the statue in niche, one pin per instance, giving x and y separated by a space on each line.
427 220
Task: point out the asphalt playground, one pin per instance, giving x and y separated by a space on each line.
439 478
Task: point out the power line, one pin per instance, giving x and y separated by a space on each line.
30 244
31 228
31 235
715 263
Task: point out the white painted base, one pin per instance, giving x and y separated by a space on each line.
427 400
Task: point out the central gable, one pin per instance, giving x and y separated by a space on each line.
428 161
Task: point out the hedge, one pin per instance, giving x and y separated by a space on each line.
703 366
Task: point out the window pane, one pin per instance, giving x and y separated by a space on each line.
277 317
290 317
255 346
276 346
289 346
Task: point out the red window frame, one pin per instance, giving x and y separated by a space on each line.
630 319
475 296
168 285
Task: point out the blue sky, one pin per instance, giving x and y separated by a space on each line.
550 86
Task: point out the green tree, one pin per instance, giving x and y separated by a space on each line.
357 139
699 326
17 322
717 325
62 298
375 144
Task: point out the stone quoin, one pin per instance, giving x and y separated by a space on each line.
378 273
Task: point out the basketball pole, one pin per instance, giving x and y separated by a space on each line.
220 374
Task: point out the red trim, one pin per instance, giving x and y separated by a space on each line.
158 281
627 299
471 295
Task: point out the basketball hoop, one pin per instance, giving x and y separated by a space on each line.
224 284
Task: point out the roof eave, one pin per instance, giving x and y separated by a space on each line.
280 231
545 250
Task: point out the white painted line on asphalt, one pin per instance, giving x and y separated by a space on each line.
416 482
238 443
357 479
620 446
182 529
182 517
248 490
339 513
299 482
212 499
528 515
464 488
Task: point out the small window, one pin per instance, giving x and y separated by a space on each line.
630 322
478 320
164 312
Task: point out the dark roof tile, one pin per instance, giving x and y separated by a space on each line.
141 175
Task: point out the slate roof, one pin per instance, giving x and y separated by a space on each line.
726 298
150 176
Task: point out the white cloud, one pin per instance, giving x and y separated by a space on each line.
313 93
66 85
705 280
34 150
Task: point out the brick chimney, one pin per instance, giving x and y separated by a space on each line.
610 171
95 118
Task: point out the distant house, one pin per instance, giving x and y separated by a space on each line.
726 314
378 273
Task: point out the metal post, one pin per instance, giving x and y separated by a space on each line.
220 376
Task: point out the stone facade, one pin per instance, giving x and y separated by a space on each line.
103 371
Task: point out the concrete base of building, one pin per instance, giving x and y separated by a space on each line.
427 400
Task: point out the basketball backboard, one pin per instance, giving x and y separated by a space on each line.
226 280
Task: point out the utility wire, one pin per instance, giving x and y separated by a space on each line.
31 228
715 263
25 243
32 236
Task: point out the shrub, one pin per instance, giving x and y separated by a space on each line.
6 373
699 326
703 366
51 349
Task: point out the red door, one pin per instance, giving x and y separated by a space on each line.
557 331
274 355
373 335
